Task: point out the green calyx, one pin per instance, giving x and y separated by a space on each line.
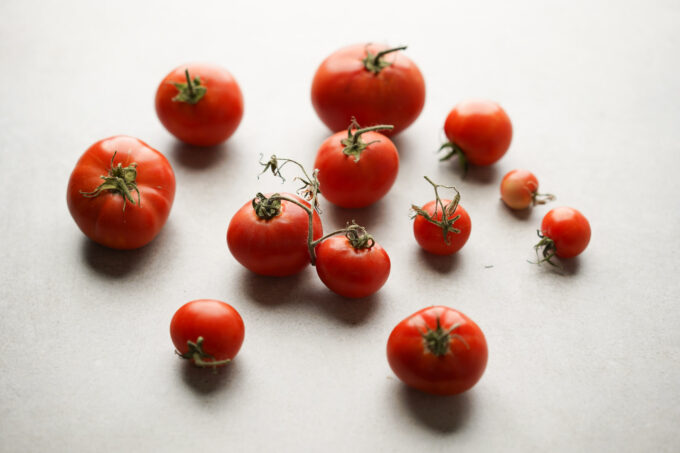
547 247
198 355
454 150
353 144
375 63
446 223
190 92
267 208
121 180
358 237
438 341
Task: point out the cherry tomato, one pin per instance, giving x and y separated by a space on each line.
120 192
207 332
479 132
519 190
565 232
438 350
371 82
352 266
356 167
200 104
275 246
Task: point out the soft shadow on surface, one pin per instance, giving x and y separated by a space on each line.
348 311
444 414
199 157
272 291
366 217
443 264
115 263
486 174
566 267
204 381
519 214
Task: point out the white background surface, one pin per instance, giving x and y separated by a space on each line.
585 361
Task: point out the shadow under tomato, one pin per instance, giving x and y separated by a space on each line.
339 217
204 381
519 214
565 267
272 290
348 311
444 414
484 174
199 157
116 263
443 264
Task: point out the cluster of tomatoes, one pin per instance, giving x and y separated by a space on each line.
121 191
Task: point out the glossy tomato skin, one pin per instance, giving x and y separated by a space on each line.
275 247
214 118
218 323
518 188
351 272
568 229
481 129
351 184
102 218
429 236
456 371
343 88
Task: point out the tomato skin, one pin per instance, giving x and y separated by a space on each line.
220 325
449 374
102 218
429 236
481 129
351 272
518 188
568 229
343 88
351 184
274 247
214 118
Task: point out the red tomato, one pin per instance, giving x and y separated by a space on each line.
352 271
352 82
565 232
438 350
519 190
200 104
479 132
430 236
276 246
207 332
120 192
356 168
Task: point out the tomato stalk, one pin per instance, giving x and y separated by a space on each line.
121 180
541 198
197 354
548 251
375 63
357 236
438 341
446 223
455 151
353 144
190 92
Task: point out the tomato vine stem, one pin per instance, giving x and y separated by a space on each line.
375 63
197 354
353 144
548 250
121 180
190 92
446 223
455 151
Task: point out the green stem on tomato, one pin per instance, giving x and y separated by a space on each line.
446 223
375 63
353 143
121 180
197 355
455 151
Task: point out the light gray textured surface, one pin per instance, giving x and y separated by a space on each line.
588 361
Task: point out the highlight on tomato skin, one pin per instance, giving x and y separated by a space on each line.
438 350
564 233
207 332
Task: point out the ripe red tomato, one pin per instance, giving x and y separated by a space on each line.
565 232
430 236
120 192
352 270
207 332
275 246
438 350
479 132
356 167
519 190
374 86
200 104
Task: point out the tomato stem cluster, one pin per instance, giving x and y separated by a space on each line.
438 340
190 92
197 354
121 180
446 223
548 250
455 150
541 198
353 144
375 63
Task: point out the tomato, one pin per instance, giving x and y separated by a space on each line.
356 167
120 192
371 82
207 332
275 246
519 190
565 232
438 350
430 236
353 265
479 132
200 104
